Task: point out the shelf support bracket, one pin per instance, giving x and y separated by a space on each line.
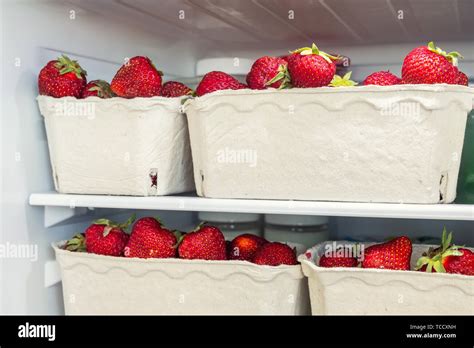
52 273
55 215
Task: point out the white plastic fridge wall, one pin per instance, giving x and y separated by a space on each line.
101 34
35 32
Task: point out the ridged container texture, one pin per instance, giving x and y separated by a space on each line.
96 284
118 146
359 291
398 144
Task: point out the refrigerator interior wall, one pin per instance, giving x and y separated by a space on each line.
34 32
179 36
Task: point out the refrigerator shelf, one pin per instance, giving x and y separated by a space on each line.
190 202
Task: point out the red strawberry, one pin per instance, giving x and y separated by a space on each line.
382 78
447 258
216 81
137 78
97 88
394 254
205 243
268 72
430 64
337 261
461 264
462 79
173 89
286 58
243 247
105 237
61 78
149 239
310 67
274 254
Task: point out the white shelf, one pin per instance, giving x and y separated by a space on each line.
193 203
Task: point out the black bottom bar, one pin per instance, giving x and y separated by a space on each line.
234 330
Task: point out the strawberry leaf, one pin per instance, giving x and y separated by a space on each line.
177 234
66 65
452 57
107 230
179 240
106 222
159 220
438 266
198 227
339 81
429 268
305 51
127 223
77 243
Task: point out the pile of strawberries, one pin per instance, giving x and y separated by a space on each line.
309 67
396 254
306 67
149 238
138 77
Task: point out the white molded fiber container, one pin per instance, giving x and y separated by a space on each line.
361 291
364 144
118 146
96 284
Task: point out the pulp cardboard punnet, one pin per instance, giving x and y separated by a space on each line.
96 284
361 291
118 146
365 144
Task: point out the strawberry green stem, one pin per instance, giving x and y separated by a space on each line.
77 243
452 57
434 258
112 224
66 65
339 81
283 76
315 50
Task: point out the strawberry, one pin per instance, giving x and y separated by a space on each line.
274 254
61 78
462 79
287 57
105 237
461 264
345 80
382 78
337 261
394 254
243 247
173 89
149 239
430 64
268 72
137 78
205 243
97 88
310 67
216 81
447 258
